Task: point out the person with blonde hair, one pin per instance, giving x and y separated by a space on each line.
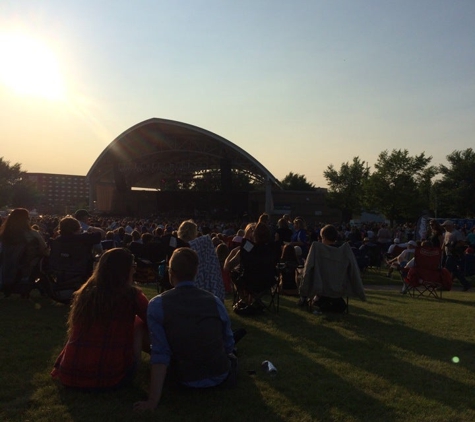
107 328
209 276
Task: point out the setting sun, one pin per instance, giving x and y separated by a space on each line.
29 67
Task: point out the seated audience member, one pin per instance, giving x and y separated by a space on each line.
288 264
283 234
330 273
402 259
299 238
195 351
70 232
108 242
209 276
83 217
106 328
394 246
21 249
329 235
222 251
256 259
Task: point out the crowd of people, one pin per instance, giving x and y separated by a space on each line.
186 329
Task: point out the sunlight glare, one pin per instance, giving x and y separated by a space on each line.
29 67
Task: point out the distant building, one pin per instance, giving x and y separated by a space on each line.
60 193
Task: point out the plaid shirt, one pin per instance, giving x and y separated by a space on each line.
101 356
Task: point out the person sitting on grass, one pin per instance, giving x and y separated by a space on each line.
190 332
107 328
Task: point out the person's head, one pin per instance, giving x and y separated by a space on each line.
262 233
82 215
288 253
263 218
187 231
448 225
183 265
222 251
329 234
114 269
68 226
299 223
110 235
104 293
16 224
249 231
146 238
411 244
135 235
436 227
282 223
397 240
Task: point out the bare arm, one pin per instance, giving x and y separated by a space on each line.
233 260
157 377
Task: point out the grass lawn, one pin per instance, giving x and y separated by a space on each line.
392 358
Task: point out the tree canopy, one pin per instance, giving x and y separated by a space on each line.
295 181
346 187
10 176
455 192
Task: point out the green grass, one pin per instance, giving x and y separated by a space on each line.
390 359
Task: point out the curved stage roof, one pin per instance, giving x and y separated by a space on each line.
158 149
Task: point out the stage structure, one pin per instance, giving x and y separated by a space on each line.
151 166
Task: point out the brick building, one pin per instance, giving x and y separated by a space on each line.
60 193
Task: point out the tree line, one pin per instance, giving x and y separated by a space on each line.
401 186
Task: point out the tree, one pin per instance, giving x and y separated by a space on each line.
24 194
456 190
346 187
9 176
295 181
395 187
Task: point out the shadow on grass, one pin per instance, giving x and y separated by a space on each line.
393 350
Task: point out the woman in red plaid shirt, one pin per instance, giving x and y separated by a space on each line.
106 328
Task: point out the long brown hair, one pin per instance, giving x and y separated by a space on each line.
15 227
97 301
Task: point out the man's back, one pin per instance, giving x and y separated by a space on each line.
194 331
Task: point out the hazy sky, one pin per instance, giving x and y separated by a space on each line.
297 84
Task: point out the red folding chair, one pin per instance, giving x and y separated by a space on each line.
427 277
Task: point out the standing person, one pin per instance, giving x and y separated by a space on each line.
106 328
21 249
436 234
454 246
190 332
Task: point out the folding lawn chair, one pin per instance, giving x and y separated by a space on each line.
427 277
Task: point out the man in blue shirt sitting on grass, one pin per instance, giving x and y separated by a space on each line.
190 333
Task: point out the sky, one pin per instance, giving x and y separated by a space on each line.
297 84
